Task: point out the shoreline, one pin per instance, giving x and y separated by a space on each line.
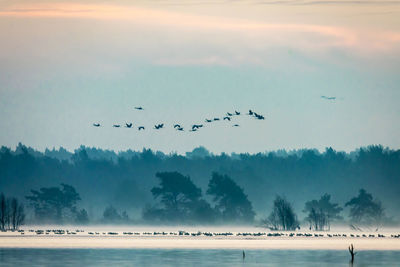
198 242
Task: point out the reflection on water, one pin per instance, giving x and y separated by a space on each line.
192 257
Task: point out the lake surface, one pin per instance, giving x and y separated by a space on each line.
191 257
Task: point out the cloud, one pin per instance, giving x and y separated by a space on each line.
327 2
166 37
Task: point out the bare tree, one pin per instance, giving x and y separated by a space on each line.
321 212
17 215
282 216
12 213
3 212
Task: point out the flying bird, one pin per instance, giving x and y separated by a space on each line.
216 119
237 112
139 108
229 114
207 120
227 118
116 125
177 126
141 128
96 124
328 97
180 129
196 126
258 116
250 112
128 125
236 125
158 126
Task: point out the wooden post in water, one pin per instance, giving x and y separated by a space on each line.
352 253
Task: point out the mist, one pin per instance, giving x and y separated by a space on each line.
118 187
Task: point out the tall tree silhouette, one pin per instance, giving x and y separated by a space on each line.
282 216
180 199
321 212
365 210
53 203
231 201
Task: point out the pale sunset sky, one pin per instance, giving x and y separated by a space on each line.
65 65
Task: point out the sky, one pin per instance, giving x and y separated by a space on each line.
65 65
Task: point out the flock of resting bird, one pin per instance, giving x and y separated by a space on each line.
195 127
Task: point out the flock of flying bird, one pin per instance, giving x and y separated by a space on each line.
195 127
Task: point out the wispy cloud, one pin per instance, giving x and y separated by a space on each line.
327 2
220 40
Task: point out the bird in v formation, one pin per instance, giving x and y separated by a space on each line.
196 127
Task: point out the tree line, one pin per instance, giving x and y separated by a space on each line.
124 180
179 201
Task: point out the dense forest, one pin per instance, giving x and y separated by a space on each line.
132 185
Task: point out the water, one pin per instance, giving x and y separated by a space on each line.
192 257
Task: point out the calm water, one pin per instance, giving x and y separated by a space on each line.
192 257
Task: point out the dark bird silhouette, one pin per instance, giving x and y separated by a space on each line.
96 124
227 118
180 129
141 128
236 125
139 108
250 112
159 126
197 126
116 125
229 114
328 97
128 125
193 130
177 126
237 112
207 120
216 119
259 117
